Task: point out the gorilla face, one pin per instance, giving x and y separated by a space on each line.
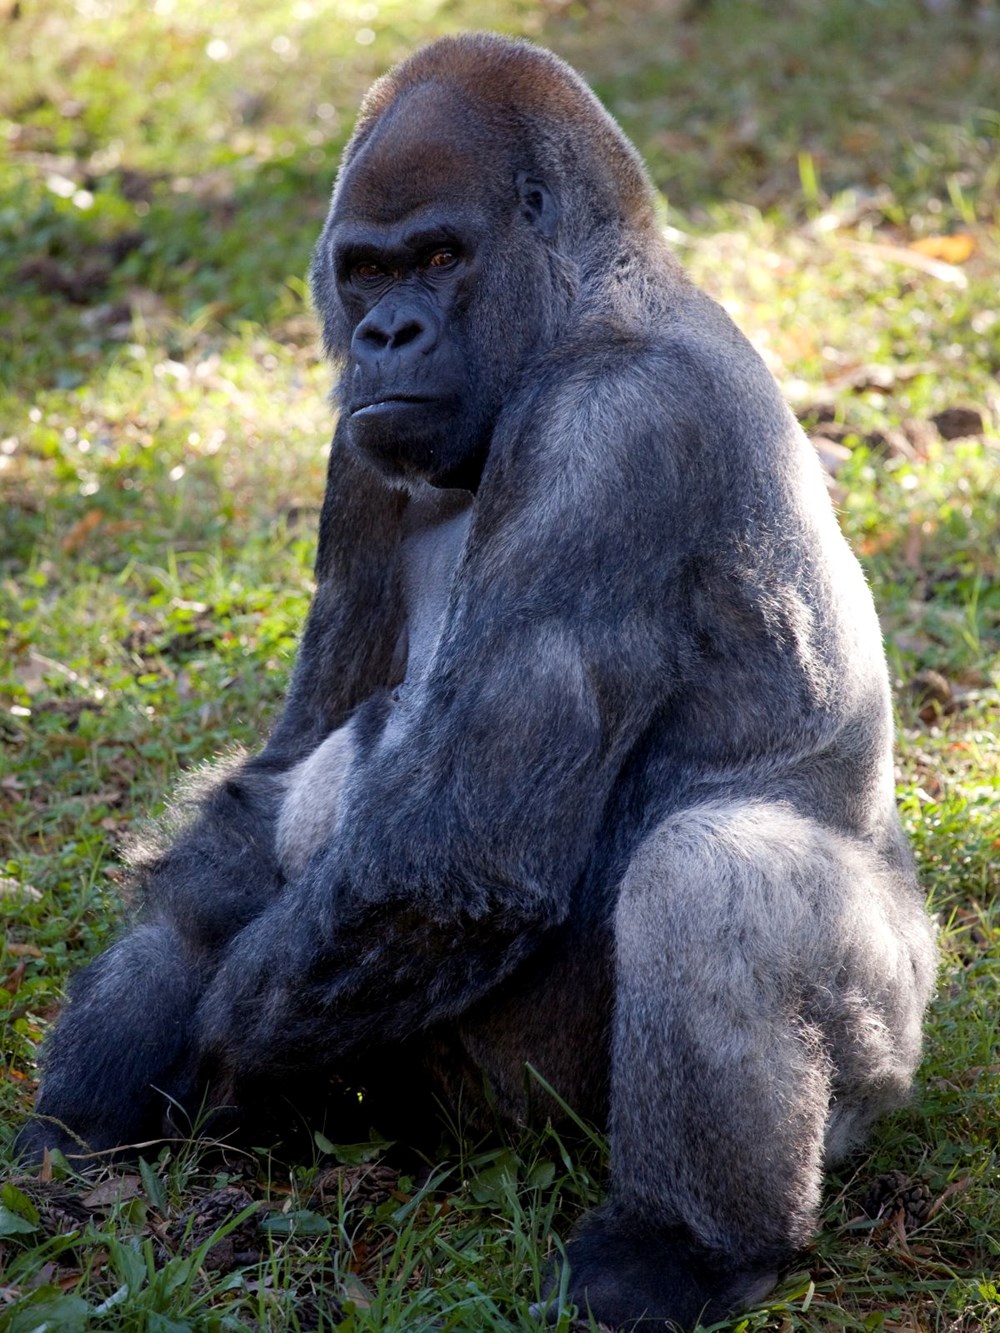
410 388
432 276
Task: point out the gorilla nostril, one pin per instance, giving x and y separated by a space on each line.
373 337
407 334
387 333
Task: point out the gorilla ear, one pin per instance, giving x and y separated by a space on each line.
538 205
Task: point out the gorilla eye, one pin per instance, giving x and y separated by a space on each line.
367 270
443 258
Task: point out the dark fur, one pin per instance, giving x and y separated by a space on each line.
627 814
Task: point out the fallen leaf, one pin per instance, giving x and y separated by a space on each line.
81 530
356 1292
24 951
11 983
116 1190
911 258
950 249
956 423
956 1187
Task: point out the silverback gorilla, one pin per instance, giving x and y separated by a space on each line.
585 762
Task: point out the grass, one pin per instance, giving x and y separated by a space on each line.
831 172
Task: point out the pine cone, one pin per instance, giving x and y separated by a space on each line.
369 1183
213 1210
895 1193
60 1210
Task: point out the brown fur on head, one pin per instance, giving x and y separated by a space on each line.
530 97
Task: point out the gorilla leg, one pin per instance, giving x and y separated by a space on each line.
121 1047
768 968
552 1014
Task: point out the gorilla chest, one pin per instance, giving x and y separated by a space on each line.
436 529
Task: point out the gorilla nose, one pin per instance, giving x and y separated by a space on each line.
404 334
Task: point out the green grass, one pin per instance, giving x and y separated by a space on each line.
164 169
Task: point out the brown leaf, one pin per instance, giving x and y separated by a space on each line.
24 951
956 1187
119 1189
950 249
81 530
11 983
22 1079
957 423
911 258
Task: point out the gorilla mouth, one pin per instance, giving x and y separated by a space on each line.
397 402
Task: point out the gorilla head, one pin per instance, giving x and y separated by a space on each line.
454 245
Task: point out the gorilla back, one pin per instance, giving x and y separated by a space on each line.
586 757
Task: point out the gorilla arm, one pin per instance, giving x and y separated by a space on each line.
220 867
469 816
354 621
451 860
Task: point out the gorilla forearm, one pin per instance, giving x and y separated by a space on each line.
436 879
295 991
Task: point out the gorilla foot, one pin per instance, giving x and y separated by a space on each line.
630 1275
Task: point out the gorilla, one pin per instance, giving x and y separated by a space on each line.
585 763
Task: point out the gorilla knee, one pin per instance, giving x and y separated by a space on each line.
757 901
767 975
